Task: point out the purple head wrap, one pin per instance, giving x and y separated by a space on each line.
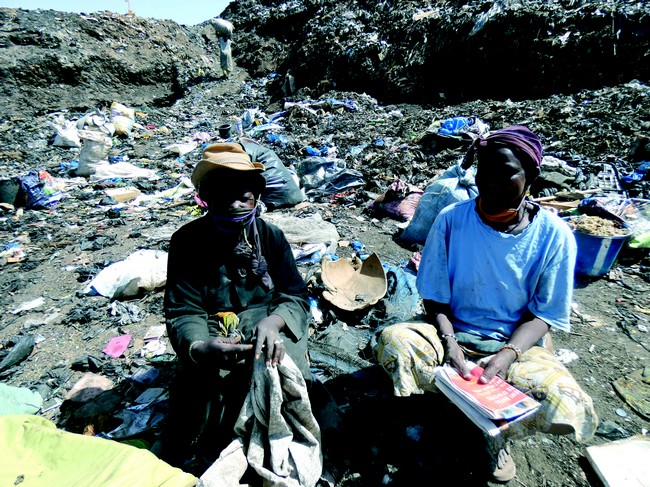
518 137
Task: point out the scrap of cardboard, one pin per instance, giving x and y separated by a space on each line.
622 463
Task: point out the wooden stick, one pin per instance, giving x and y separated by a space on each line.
567 194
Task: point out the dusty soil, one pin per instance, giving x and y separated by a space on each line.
382 440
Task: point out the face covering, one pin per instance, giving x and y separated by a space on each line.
502 216
234 219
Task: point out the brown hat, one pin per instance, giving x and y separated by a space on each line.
228 155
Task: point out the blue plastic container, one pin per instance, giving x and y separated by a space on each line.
597 253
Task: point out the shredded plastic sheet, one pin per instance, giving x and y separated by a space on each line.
19 400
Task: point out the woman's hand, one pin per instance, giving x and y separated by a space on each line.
526 335
498 365
456 358
269 340
222 351
439 315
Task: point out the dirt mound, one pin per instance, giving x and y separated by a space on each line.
397 52
58 60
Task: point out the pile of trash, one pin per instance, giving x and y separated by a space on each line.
91 193
439 53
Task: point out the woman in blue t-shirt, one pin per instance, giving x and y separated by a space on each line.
496 274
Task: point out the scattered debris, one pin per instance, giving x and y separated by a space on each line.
331 100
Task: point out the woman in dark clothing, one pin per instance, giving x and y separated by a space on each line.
233 295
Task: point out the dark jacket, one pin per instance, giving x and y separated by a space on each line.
202 280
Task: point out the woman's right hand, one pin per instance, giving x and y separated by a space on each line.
221 351
441 317
456 358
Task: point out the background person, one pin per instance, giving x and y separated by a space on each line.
496 274
224 29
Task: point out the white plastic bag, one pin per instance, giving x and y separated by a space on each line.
455 184
222 27
123 170
142 270
96 121
122 118
94 152
66 133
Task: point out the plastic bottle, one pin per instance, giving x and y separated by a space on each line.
453 126
315 310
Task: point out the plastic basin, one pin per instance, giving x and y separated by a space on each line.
597 253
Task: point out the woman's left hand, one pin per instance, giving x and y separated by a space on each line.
269 341
498 365
527 334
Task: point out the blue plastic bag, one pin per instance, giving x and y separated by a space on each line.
33 191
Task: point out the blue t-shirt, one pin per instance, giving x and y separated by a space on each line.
490 279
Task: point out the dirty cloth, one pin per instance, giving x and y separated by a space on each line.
33 449
399 201
276 433
635 389
410 351
517 136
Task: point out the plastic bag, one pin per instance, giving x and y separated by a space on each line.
122 170
402 295
223 28
122 118
455 184
94 152
282 188
468 127
66 133
143 269
327 176
38 190
96 121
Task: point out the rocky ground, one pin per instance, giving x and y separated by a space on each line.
50 254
